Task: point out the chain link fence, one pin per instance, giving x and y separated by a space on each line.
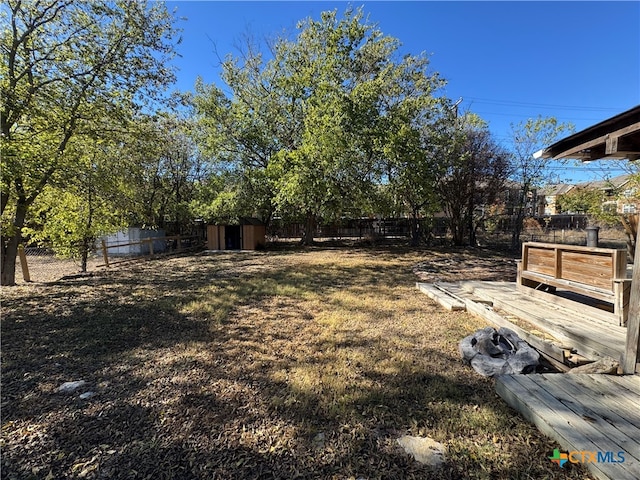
609 238
44 266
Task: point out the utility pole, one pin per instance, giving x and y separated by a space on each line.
455 106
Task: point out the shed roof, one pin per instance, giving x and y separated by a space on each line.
617 137
241 221
252 221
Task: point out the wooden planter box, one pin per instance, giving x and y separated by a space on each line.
598 273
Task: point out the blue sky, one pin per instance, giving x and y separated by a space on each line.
508 61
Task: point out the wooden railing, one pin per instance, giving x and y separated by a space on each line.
594 272
599 273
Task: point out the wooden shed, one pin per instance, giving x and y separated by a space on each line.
247 234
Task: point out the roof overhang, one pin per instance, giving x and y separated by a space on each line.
615 138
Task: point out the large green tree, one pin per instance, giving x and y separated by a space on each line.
164 168
414 144
69 69
94 201
241 133
311 128
332 70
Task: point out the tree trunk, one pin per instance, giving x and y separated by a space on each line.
520 214
309 229
457 231
471 201
415 229
84 253
87 241
631 224
4 200
10 245
517 230
470 225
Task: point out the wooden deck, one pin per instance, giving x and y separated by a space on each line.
578 331
583 413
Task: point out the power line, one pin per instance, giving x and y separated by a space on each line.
587 169
545 105
529 116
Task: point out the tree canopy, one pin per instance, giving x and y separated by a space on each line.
475 169
314 128
527 138
329 122
71 71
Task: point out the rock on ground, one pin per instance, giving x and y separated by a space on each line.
424 450
70 387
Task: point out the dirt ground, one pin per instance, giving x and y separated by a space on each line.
279 364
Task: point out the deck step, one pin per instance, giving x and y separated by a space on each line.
445 299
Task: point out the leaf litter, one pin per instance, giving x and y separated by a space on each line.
283 364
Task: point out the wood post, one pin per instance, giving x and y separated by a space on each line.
525 256
630 357
557 268
179 245
150 240
23 263
105 255
621 291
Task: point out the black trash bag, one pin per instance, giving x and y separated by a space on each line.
492 352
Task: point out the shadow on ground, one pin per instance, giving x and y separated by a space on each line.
266 365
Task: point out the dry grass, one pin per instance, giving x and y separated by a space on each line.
303 364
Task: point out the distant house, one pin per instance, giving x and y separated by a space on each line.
548 198
511 195
247 234
619 194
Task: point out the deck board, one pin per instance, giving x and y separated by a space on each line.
441 296
629 384
603 412
599 385
581 412
589 335
554 317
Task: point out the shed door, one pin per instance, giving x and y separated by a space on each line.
233 237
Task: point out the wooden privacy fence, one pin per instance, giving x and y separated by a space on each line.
149 248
